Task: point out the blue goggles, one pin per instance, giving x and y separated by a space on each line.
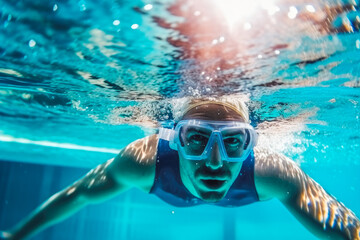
195 139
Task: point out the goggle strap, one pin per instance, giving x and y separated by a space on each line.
166 134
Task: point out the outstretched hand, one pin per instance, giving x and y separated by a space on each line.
5 235
340 18
345 19
347 22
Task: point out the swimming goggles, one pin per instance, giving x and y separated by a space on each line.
195 139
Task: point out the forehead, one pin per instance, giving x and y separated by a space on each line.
214 112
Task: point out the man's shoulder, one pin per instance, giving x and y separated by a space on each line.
268 159
273 172
135 164
142 151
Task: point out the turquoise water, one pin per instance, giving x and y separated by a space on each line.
79 80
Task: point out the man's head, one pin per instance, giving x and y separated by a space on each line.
211 178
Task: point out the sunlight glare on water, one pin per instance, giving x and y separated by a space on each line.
242 11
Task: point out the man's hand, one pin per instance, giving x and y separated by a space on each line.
5 235
340 18
347 22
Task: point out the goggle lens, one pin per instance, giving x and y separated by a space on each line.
194 140
234 142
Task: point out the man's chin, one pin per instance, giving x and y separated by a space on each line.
211 196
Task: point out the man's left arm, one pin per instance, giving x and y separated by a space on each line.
278 176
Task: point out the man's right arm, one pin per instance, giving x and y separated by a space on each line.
133 167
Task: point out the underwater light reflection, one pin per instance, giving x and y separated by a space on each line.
236 11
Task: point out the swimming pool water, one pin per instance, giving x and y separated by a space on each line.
76 75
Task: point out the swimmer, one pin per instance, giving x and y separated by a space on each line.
209 156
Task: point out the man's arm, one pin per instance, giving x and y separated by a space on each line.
278 176
133 167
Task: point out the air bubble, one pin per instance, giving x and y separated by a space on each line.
32 43
135 26
148 7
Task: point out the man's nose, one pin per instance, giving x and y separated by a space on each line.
214 161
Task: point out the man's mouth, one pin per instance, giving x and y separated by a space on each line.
213 183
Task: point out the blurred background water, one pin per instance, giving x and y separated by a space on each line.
81 79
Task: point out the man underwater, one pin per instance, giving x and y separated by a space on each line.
207 157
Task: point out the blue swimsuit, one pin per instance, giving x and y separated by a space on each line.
169 187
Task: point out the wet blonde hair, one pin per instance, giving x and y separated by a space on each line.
235 102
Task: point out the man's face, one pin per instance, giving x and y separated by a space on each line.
210 179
